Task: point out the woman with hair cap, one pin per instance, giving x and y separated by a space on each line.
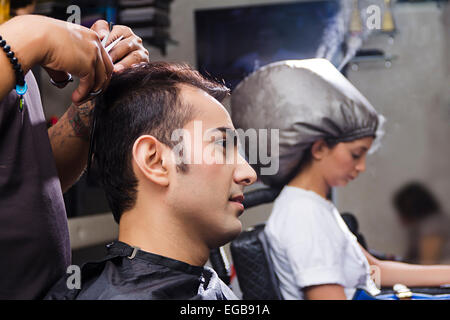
326 128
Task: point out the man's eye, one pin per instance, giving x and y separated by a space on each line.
222 143
356 156
225 145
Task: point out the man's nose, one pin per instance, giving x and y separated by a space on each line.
244 173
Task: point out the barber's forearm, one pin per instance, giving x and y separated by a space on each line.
69 139
413 275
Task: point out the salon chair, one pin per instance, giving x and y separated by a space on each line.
254 268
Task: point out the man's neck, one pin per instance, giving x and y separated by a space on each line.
156 231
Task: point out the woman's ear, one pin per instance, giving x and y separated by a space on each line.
319 149
149 159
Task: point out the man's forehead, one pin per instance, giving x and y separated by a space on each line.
190 93
205 107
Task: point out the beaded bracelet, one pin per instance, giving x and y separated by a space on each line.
21 85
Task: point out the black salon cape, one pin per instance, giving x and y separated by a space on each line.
145 276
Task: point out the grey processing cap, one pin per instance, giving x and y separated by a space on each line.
306 100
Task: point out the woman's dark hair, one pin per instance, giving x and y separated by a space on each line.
140 100
304 162
414 202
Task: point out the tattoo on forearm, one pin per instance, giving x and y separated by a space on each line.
85 110
79 119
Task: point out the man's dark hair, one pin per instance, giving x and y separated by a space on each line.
414 202
141 100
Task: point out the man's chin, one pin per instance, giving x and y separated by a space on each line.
235 232
229 235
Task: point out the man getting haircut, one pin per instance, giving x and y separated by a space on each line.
171 211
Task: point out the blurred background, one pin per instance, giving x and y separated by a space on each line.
395 52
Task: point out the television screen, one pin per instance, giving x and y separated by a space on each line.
233 42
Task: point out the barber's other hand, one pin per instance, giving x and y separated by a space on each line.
128 51
74 49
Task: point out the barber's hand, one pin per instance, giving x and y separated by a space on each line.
128 51
74 49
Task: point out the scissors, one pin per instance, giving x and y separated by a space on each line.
107 49
105 40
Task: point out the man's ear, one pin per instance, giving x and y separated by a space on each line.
149 159
319 149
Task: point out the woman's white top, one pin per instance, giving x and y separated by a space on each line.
310 244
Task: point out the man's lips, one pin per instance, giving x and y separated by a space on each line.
238 200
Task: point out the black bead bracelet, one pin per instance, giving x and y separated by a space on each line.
21 85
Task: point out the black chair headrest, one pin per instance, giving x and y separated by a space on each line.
260 196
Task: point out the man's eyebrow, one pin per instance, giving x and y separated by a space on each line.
225 130
229 133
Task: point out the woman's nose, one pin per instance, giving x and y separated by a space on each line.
361 166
